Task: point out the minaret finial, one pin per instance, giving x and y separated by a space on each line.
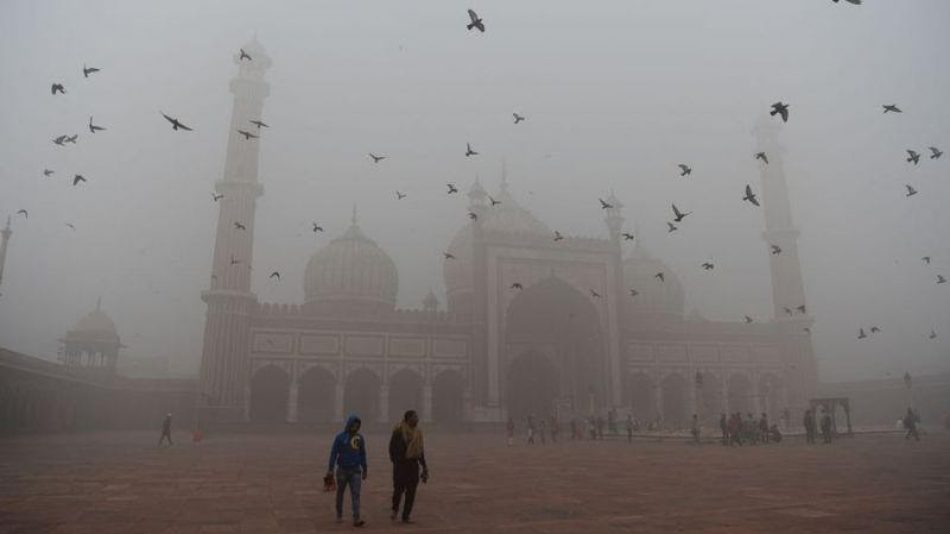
353 218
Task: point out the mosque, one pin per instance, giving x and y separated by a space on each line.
530 324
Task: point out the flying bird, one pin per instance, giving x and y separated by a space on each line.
659 276
259 124
247 135
47 172
775 249
176 124
317 227
627 236
801 308
875 330
558 236
276 275
400 196
78 178
788 311
93 128
24 213
926 259
469 151
941 279
517 285
70 226
762 156
604 205
472 215
748 319
217 197
594 294
476 22
448 255
861 334
708 266
244 55
634 292
684 169
239 226
72 139
376 159
679 216
913 157
86 71
60 140
806 329
935 152
493 201
780 108
933 334
855 2
518 118
750 196
891 108
57 87
671 227
452 189
910 191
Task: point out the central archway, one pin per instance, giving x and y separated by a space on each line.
270 387
555 350
316 397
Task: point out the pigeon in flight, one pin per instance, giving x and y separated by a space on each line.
875 330
24 213
775 249
926 259
452 189
855 2
788 311
217 197
933 334
244 55
86 71
72 139
558 236
472 215
400 196
684 169
748 320
634 292
276 275
627 236
913 157
260 124
762 156
780 108
935 152
93 128
448 255
910 191
78 178
57 87
806 329
594 294
679 216
469 151
376 159
801 308
750 196
493 201
71 227
60 140
604 205
708 266
518 118
176 124
891 108
47 172
517 285
317 227
247 135
861 334
659 276
671 227
941 279
476 22
239 226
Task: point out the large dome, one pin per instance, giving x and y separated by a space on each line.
352 274
654 297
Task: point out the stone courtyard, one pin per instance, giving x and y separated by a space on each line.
123 483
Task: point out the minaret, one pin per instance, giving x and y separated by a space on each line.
224 358
5 235
788 290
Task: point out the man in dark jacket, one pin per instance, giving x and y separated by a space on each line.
406 452
166 431
348 453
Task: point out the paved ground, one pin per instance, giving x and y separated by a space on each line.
122 483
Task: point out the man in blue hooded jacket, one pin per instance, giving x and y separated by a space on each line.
348 453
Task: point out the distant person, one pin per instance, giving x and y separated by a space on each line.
826 427
694 429
555 428
751 429
166 431
592 427
511 431
530 430
406 452
600 428
612 421
574 434
724 428
735 429
910 423
764 427
629 428
348 454
775 433
808 421
542 430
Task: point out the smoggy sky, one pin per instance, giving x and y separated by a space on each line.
616 92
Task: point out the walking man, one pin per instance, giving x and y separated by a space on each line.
809 422
826 427
511 431
694 429
348 454
629 428
724 428
530 430
166 430
910 423
406 452
764 427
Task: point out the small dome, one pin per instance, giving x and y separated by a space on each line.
655 297
352 274
95 326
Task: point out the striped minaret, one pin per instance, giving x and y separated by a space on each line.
224 357
5 236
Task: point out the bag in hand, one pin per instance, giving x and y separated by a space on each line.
329 482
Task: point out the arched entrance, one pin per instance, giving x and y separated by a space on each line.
638 395
555 349
447 397
270 388
361 395
675 399
739 394
316 396
405 393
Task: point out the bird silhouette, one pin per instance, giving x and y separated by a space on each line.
476 22
469 151
93 128
891 108
176 124
72 139
518 118
517 285
78 178
239 226
452 189
594 294
801 308
217 197
855 2
627 236
376 159
935 152
472 215
933 334
634 292
684 169
400 196
659 276
861 334
24 213
247 135
910 191
875 330
60 140
558 236
708 266
448 255
762 156
806 329
48 172
604 205
775 249
926 259
678 215
71 227
317 227
941 279
276 275
748 319
780 108
750 196
244 55
671 227
86 71
493 201
57 88
913 157
788 311
259 124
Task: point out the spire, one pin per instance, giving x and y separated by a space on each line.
4 237
353 218
99 304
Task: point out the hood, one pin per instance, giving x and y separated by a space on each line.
352 418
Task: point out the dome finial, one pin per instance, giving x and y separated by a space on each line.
353 218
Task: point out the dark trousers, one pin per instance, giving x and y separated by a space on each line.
166 434
912 431
405 480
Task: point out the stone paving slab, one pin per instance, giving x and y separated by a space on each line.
121 482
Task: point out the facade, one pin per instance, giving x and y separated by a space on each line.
530 324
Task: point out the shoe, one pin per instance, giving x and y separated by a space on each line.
407 521
358 522
392 516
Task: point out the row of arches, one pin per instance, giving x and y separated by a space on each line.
316 396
